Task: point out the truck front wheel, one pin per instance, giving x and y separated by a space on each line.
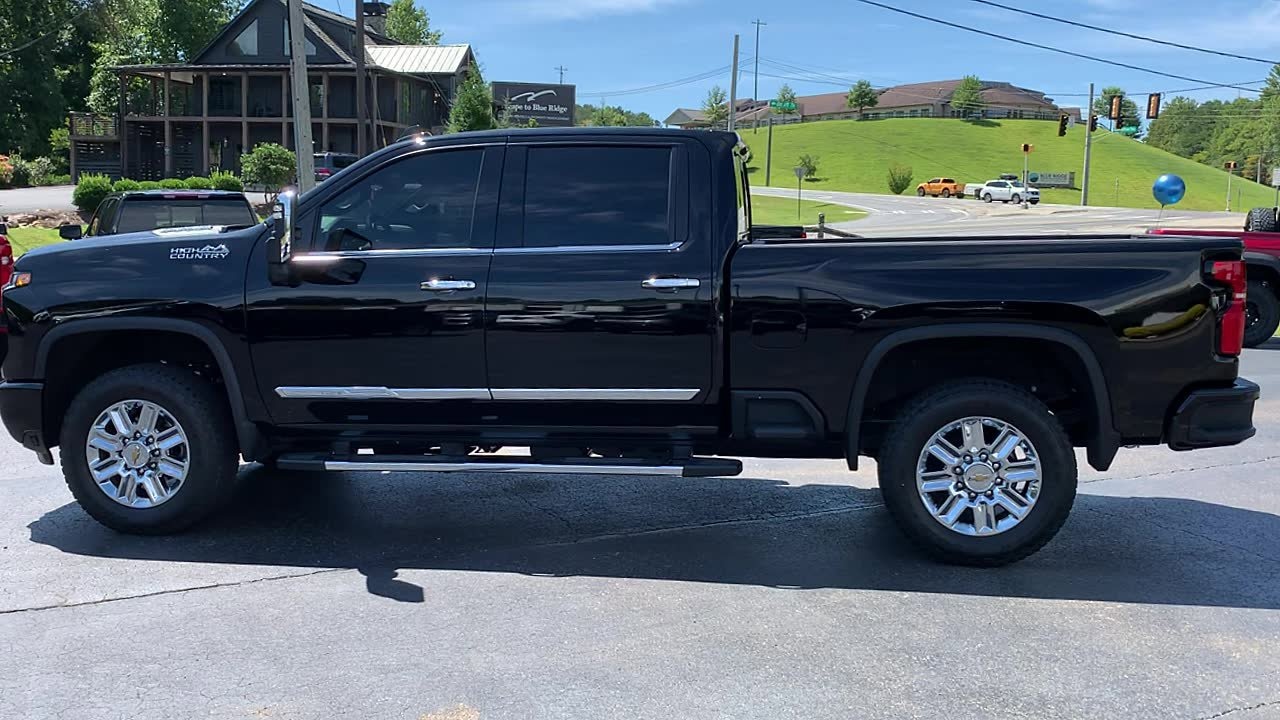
1262 313
148 449
978 473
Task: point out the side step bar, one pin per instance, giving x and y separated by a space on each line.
689 467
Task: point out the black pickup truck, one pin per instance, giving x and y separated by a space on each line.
599 297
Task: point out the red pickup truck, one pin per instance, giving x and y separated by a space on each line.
1262 263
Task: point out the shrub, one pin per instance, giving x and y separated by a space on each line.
125 184
63 179
39 170
148 185
810 165
225 181
900 177
6 171
173 184
21 171
91 191
198 183
269 165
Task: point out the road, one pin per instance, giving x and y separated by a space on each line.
783 593
21 200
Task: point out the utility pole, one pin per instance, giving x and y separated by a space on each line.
562 70
733 88
1230 172
362 130
768 153
1088 145
755 85
301 97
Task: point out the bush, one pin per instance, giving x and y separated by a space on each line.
21 176
225 181
63 179
148 185
173 184
810 165
91 191
270 165
6 171
900 177
125 184
39 170
198 183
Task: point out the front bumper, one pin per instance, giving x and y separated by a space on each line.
1213 417
22 410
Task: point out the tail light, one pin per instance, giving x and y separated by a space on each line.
1231 273
324 172
6 271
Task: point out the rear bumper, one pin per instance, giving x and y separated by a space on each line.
22 410
1213 417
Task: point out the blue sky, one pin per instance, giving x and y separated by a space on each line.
611 46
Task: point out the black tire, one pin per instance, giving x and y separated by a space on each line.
929 412
986 197
946 192
1262 313
1016 199
920 192
203 415
1262 220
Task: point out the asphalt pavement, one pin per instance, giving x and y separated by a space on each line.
785 592
22 200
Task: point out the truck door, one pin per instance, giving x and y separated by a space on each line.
600 309
385 322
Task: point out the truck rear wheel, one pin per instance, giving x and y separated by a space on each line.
920 192
1262 220
1262 313
946 192
148 449
978 472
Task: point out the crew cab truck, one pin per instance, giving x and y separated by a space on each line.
598 296
940 187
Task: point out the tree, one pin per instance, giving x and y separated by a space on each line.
900 177
270 165
715 107
967 97
410 24
611 115
862 95
1184 127
1128 108
786 94
472 105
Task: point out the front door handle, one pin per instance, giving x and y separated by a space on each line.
447 285
669 283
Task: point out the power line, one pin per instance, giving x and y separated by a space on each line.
665 85
1039 46
60 28
1121 33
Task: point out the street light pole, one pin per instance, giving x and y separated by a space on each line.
301 96
755 87
733 89
1088 145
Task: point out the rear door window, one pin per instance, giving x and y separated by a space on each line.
602 195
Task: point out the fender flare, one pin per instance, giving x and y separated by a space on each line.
252 443
1104 441
1271 262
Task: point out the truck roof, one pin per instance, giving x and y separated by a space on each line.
179 193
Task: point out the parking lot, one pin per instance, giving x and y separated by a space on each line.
785 592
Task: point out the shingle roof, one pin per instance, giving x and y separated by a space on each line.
420 59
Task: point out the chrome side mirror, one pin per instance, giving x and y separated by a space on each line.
282 229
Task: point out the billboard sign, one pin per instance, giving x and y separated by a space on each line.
549 105
1053 179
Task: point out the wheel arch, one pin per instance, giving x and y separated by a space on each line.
1261 266
1102 442
249 438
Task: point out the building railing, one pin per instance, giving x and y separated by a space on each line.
91 125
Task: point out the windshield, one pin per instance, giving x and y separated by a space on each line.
137 216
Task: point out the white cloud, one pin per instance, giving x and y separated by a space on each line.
584 9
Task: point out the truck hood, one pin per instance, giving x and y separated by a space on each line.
202 239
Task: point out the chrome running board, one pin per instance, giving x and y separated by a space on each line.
690 467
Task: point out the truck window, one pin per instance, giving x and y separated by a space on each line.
597 196
744 196
934 181
423 201
947 180
149 214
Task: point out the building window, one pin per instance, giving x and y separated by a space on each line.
246 43
311 47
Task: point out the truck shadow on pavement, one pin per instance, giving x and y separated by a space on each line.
732 530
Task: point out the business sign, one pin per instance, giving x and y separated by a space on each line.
1053 179
1275 178
548 105
787 106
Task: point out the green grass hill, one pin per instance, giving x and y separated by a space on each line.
856 155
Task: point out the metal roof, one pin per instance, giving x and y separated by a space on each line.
420 59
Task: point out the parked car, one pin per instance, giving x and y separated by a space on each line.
940 187
449 293
329 163
138 210
6 255
1262 268
1008 191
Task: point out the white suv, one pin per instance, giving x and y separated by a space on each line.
1008 191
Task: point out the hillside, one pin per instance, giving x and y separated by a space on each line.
855 156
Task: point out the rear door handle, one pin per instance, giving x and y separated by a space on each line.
447 285
669 283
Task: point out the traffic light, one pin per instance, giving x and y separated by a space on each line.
1116 105
1027 147
1153 106
1093 123
1230 165
1062 124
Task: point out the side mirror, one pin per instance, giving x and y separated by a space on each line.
280 247
70 232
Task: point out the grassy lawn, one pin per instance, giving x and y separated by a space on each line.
29 238
782 211
856 156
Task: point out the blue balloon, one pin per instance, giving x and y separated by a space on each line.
1168 189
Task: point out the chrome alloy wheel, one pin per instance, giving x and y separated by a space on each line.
137 453
978 476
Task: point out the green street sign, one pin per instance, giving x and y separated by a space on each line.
786 106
